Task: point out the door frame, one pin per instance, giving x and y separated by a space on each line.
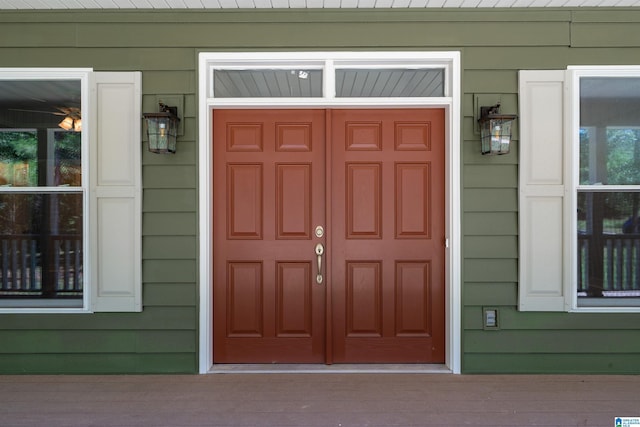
451 102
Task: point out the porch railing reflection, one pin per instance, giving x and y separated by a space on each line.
609 265
33 266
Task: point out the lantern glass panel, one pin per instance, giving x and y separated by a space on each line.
496 136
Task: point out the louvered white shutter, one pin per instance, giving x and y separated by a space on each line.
543 202
115 191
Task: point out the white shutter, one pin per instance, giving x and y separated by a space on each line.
544 260
115 192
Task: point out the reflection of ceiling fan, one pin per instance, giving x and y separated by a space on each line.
72 117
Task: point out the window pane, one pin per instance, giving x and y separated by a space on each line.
26 162
267 83
40 133
18 158
609 131
608 245
41 246
390 83
66 158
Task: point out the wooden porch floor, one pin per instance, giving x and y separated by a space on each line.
339 400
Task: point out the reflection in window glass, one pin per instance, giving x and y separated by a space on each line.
610 156
18 158
66 153
267 83
20 152
390 83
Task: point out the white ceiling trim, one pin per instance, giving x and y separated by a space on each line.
303 4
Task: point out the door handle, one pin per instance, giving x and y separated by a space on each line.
319 252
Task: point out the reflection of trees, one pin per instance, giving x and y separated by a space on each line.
18 149
68 169
620 165
19 213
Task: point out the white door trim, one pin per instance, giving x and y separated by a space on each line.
451 102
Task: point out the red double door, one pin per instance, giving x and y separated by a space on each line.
328 236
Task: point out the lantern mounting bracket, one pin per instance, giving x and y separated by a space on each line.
485 111
167 109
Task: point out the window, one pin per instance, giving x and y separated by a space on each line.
42 192
384 83
579 202
607 193
268 83
338 78
70 191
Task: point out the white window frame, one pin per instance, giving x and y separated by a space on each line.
112 185
574 74
329 61
44 305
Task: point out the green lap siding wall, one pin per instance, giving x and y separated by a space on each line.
164 45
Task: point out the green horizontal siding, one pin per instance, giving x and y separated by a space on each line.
490 224
92 341
170 200
169 271
496 247
169 247
169 176
476 176
105 363
622 34
513 320
490 199
169 223
152 317
491 294
578 362
567 341
169 294
292 15
490 270
164 45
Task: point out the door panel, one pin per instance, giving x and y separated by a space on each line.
269 196
383 300
387 236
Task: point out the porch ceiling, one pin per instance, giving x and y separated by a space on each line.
304 4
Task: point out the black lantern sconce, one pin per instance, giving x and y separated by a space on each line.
162 129
495 130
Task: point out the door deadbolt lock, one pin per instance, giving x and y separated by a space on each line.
319 231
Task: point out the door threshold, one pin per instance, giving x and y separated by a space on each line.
329 369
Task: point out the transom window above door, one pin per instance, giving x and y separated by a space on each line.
356 83
317 79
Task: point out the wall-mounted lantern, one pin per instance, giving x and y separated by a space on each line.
162 129
495 130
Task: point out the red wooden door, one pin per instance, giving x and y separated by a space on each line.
268 194
383 212
388 236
